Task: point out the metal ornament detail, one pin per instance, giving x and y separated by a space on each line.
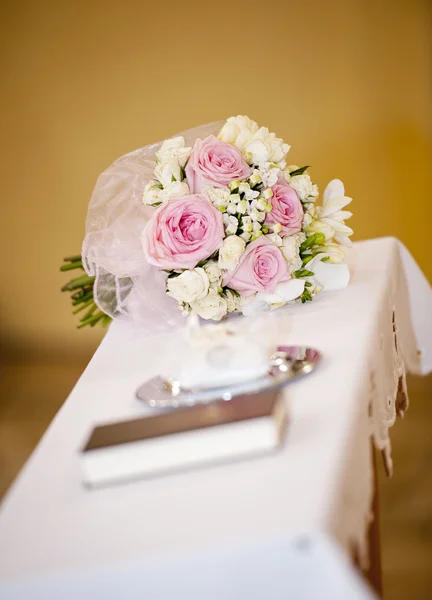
286 364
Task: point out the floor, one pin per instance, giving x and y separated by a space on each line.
30 395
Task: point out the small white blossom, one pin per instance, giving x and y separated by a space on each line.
261 204
256 226
232 208
246 236
234 198
231 224
242 207
276 227
256 215
255 178
231 251
246 224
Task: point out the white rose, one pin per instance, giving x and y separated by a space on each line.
229 255
212 306
304 187
213 271
291 251
168 172
175 189
189 286
238 131
219 197
259 150
233 300
173 148
266 147
151 194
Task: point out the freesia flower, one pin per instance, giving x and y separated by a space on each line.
331 215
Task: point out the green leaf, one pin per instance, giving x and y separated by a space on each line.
299 171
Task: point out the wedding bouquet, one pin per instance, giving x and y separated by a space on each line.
213 221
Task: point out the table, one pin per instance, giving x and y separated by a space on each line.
275 527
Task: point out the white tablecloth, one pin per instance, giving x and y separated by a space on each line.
274 527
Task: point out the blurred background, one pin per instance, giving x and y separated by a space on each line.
348 83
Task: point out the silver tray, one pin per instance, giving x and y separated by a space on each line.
287 364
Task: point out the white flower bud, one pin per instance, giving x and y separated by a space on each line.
268 193
256 226
234 185
261 204
242 207
318 226
246 236
255 178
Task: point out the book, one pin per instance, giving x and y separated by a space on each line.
189 437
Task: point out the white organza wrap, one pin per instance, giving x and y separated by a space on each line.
125 283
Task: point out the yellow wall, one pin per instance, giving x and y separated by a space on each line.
346 83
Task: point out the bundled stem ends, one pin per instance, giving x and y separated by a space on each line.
82 295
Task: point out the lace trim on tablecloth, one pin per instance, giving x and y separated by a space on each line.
386 399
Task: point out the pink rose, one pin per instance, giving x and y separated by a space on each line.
260 269
214 163
287 208
182 232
